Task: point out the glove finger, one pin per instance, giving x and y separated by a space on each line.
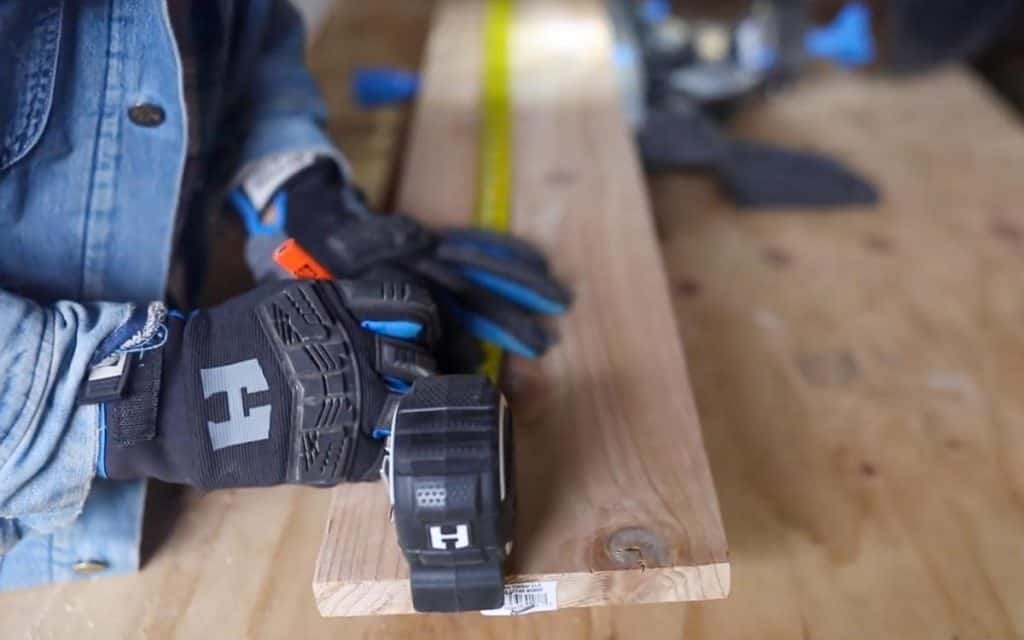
385 418
501 246
458 351
400 362
486 315
349 246
493 319
391 271
532 291
393 308
523 283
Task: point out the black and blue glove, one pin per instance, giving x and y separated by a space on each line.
292 382
488 285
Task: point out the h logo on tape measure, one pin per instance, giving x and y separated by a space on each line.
443 534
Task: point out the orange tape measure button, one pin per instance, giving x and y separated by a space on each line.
294 259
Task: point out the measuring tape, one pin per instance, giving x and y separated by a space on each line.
495 179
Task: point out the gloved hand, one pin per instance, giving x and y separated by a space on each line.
488 284
286 383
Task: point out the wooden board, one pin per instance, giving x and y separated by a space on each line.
870 452
616 503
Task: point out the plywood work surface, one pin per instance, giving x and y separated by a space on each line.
857 373
616 503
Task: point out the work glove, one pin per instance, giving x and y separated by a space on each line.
292 382
488 285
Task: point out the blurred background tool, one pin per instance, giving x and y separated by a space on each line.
695 74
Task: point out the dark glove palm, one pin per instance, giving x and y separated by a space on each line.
286 383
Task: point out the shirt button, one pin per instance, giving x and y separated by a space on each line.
147 115
89 566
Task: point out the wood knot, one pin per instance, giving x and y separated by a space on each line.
636 548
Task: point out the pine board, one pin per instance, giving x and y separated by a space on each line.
616 502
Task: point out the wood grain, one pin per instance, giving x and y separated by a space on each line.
616 503
857 374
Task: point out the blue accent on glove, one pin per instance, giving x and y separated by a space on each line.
101 460
847 40
514 291
379 87
397 384
380 433
489 331
402 329
251 217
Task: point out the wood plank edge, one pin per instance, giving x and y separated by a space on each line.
600 588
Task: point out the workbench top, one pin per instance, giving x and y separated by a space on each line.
857 374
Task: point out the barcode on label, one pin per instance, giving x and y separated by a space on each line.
527 597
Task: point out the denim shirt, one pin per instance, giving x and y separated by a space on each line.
93 140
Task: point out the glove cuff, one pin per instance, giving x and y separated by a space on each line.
134 444
315 187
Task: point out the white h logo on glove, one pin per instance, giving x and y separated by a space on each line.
237 380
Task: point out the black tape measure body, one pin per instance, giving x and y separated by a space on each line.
450 476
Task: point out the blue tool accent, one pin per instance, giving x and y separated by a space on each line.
381 87
101 460
765 60
655 11
489 331
380 433
251 217
518 293
755 46
624 55
402 329
847 40
397 384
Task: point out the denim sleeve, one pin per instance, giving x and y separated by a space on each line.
285 118
285 110
48 444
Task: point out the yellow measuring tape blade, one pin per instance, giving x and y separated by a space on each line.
494 199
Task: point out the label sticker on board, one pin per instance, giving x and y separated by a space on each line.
527 597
